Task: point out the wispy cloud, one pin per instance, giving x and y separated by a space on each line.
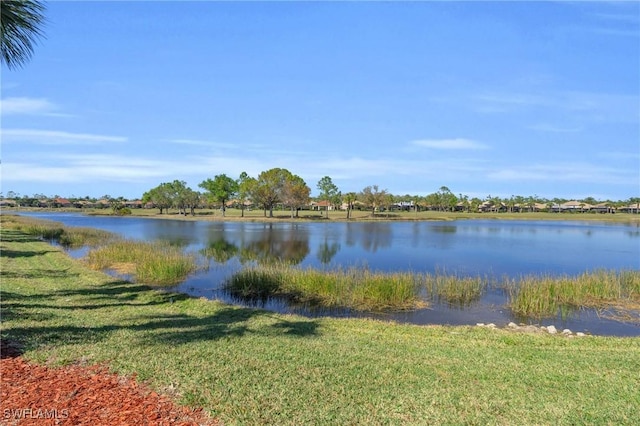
450 144
198 142
85 168
55 137
546 127
567 172
620 156
591 106
616 24
30 106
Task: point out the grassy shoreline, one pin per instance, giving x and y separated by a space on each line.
357 215
248 366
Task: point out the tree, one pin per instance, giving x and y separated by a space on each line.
432 201
328 192
475 204
496 203
268 188
118 206
220 189
161 196
191 200
446 199
295 193
464 199
350 198
245 185
178 194
20 28
374 197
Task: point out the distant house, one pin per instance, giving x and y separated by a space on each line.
61 202
133 204
489 206
631 208
356 205
603 208
235 203
83 204
8 203
533 207
403 205
575 206
323 205
103 203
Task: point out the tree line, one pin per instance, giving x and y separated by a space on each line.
280 187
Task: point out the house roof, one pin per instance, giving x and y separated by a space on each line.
574 204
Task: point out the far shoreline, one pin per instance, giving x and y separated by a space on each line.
307 216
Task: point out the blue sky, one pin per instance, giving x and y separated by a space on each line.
486 98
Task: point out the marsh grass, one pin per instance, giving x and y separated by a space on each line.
149 262
365 290
66 236
355 288
456 290
544 296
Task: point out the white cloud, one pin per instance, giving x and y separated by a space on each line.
30 106
55 137
456 144
21 105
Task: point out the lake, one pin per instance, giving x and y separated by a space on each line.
489 248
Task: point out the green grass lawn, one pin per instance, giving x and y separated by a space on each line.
248 366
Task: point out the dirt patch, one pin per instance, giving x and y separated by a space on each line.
77 395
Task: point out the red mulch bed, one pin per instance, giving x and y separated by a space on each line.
78 395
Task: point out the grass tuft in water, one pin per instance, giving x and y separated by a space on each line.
456 290
359 289
150 262
543 296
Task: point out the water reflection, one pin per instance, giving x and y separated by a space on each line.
326 251
372 236
275 245
220 250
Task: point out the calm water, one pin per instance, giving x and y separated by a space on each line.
473 247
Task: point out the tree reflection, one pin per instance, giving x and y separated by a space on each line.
220 250
375 236
327 251
276 245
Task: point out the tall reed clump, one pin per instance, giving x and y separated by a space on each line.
66 236
543 296
359 289
454 289
150 262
